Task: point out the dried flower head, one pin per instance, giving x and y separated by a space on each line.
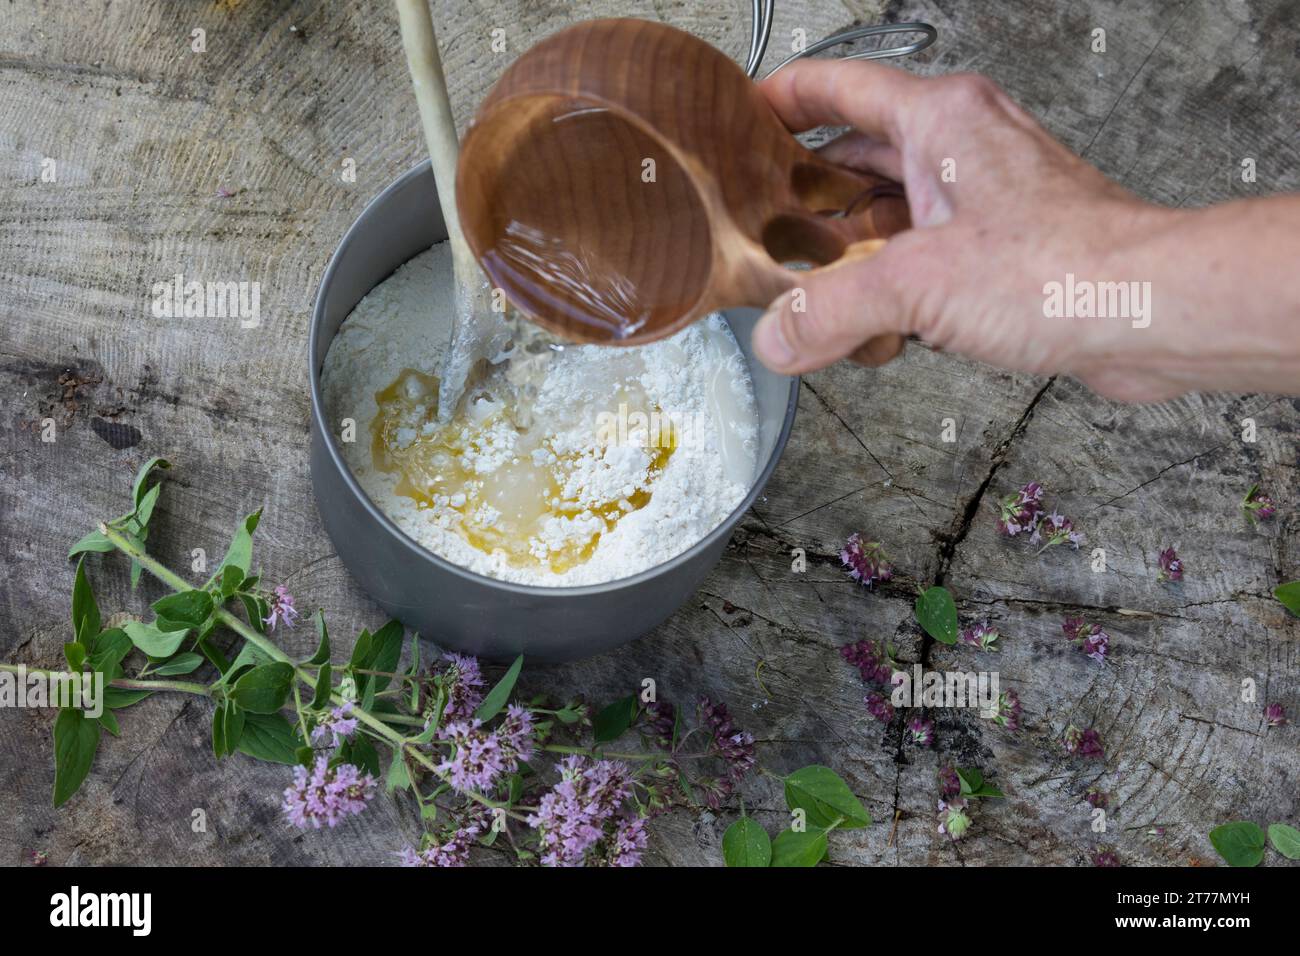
1085 743
1097 797
866 560
1275 715
873 660
879 707
1105 856
982 635
1171 566
1089 638
325 795
660 719
282 610
733 745
949 782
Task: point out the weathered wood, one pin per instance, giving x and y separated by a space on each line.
144 134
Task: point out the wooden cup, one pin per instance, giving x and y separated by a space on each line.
624 178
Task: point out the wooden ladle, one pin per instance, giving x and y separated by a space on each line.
624 178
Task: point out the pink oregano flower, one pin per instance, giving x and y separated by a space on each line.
1020 512
866 560
879 707
874 660
1089 638
1085 743
324 795
1023 511
1171 566
1275 715
982 635
921 730
1258 505
282 609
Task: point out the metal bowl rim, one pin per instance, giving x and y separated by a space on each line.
725 527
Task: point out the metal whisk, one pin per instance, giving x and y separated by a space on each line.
762 32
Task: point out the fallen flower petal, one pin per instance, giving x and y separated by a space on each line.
1171 566
866 560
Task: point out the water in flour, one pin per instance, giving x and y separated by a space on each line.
612 461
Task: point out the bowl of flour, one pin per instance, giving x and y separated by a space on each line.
557 514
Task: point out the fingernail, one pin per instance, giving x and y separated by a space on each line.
769 341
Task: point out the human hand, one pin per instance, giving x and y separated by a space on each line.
1000 209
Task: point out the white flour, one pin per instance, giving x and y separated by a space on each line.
602 462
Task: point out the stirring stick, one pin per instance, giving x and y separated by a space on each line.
475 329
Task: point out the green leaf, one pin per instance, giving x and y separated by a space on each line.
399 777
76 738
973 785
186 609
75 654
1240 843
235 720
569 715
154 642
613 720
799 849
825 798
219 731
142 476
249 656
109 723
385 652
264 689
322 654
231 578
257 610
497 697
240 553
115 698
85 612
746 844
270 737
92 542
322 695
144 510
937 614
360 751
111 647
1285 839
1289 595
185 663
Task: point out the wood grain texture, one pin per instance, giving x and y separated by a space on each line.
144 133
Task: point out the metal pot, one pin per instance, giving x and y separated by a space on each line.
451 606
